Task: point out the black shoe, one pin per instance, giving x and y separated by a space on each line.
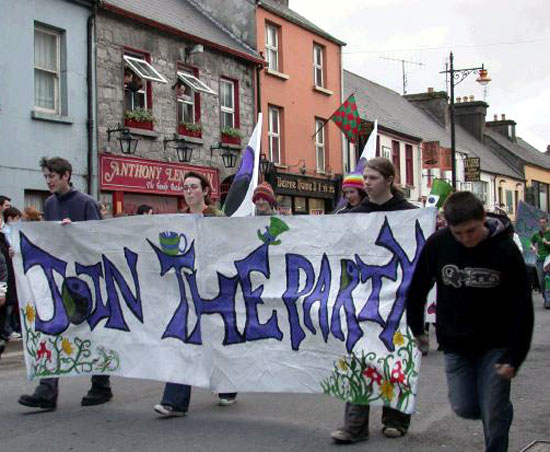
37 401
97 397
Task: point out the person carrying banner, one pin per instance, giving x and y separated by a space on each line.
484 311
176 396
382 196
353 190
66 204
264 199
540 244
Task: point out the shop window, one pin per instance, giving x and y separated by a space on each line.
272 46
300 205
320 145
316 206
188 100
274 134
284 204
318 65
49 91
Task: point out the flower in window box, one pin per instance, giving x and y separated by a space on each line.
139 118
231 135
190 129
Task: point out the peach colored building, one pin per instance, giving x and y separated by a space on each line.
300 88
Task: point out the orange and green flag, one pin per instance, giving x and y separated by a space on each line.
347 118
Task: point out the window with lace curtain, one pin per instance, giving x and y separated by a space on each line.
47 68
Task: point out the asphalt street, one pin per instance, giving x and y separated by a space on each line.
261 422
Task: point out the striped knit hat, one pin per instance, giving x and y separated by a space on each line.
264 191
354 181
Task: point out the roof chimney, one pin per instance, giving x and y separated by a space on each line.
503 116
547 149
435 103
458 100
505 127
470 114
495 117
430 90
472 98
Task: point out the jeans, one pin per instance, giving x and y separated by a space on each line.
49 387
178 396
476 391
540 275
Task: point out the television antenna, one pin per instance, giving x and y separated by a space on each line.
403 70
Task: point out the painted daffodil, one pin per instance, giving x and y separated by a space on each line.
66 346
386 389
30 313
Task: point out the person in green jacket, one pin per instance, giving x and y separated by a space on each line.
540 244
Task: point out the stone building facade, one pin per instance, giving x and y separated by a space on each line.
121 34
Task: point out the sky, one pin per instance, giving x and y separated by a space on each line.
511 39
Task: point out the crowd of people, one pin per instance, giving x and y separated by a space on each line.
484 312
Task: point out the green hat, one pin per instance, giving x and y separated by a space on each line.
440 192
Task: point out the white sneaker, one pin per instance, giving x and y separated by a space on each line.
168 411
226 401
15 335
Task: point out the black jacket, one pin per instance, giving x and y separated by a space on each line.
397 202
483 296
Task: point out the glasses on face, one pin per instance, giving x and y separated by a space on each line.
191 187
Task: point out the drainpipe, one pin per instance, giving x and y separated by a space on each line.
90 100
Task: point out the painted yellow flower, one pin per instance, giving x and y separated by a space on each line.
30 313
398 339
386 389
343 365
66 346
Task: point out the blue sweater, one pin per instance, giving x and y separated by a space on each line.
74 205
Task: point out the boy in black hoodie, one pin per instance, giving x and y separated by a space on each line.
484 311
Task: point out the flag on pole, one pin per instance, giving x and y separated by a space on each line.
239 198
347 118
439 193
369 151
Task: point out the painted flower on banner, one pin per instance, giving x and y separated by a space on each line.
386 389
343 365
66 346
397 375
44 352
372 374
398 339
30 313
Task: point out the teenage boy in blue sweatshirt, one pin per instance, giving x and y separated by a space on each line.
66 205
484 311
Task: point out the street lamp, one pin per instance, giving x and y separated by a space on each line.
184 152
229 155
456 76
128 142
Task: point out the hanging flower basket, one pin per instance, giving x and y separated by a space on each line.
190 130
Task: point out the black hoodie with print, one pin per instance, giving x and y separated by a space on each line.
483 295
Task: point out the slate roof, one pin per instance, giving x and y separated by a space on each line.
521 149
184 16
393 111
294 17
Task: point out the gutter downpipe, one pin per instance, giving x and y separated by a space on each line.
90 106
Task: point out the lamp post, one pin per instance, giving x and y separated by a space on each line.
127 141
184 152
456 76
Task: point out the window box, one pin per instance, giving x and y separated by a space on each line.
229 139
139 119
190 130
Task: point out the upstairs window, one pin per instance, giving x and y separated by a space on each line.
272 46
144 69
318 58
320 145
229 104
409 170
47 70
274 134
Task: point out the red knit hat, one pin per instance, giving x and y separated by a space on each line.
264 191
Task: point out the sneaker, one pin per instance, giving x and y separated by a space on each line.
393 432
37 401
14 336
227 400
168 411
345 437
97 396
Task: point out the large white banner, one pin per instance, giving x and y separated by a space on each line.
275 304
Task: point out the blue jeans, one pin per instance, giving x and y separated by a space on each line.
178 396
476 391
49 387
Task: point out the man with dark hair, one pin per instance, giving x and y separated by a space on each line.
11 214
144 209
66 205
11 326
5 203
484 311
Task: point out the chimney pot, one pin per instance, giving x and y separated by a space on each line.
458 100
430 90
503 116
495 117
472 98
